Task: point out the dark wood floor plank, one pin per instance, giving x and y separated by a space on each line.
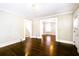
17 49
62 49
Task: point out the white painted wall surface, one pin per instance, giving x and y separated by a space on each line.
65 27
11 28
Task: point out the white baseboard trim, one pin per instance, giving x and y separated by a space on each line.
35 37
65 41
60 40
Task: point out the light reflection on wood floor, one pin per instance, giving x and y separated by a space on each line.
43 48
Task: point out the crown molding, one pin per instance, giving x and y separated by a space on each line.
55 15
50 16
12 13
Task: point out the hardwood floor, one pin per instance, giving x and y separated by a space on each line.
35 49
62 49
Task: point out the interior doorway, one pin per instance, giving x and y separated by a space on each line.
48 26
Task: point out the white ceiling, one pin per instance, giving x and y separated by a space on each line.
38 10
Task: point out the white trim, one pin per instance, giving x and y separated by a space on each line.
35 37
50 16
67 12
56 28
54 15
54 19
13 13
65 41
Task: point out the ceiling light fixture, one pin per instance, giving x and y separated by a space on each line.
35 7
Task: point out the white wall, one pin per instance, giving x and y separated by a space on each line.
36 27
65 27
11 28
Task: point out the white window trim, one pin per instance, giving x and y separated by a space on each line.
48 20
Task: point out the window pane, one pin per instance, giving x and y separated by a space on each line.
47 27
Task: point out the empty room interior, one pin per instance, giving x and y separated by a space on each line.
39 29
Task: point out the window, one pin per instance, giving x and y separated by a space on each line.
48 26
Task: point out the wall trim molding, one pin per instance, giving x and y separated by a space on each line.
60 40
65 41
50 16
12 13
54 15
